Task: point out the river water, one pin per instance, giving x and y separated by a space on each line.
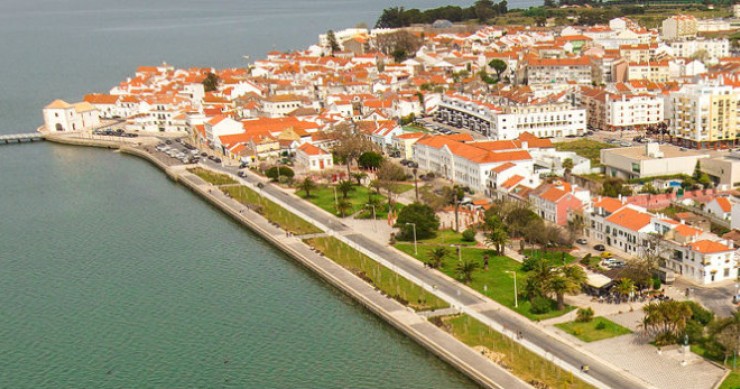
111 276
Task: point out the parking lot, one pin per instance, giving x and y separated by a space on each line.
180 151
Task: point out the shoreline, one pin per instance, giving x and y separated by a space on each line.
463 358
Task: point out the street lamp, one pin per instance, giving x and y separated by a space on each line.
516 299
416 251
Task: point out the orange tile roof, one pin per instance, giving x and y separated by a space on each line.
511 182
724 204
687 231
502 167
630 219
553 195
310 149
610 204
709 247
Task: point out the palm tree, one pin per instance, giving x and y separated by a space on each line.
666 320
358 177
342 206
497 235
345 187
436 256
457 194
465 269
567 280
307 185
625 287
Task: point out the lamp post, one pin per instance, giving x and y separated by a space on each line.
516 299
416 251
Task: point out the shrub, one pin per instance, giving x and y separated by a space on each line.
699 314
468 235
694 330
600 325
585 315
283 172
529 263
657 283
586 261
540 305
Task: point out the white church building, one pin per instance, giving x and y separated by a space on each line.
62 116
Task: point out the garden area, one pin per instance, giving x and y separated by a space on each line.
553 257
586 148
496 280
273 212
387 281
509 354
212 177
593 329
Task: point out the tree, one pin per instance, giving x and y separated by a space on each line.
613 187
422 216
342 206
392 18
625 287
350 145
455 193
345 186
281 171
332 40
726 332
358 176
499 66
307 185
568 166
567 280
464 270
484 10
370 160
436 256
389 174
211 82
665 320
497 235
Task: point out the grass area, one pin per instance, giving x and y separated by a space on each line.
523 363
401 188
324 198
270 210
212 177
597 329
732 381
447 238
380 276
586 148
496 283
381 211
555 258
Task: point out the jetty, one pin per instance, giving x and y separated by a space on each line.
21 138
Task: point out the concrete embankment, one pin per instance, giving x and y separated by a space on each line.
446 347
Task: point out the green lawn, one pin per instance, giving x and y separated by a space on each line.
732 381
588 332
555 258
497 283
523 363
270 210
586 148
381 211
380 276
212 177
445 238
402 188
324 198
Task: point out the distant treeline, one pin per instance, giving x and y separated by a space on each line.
481 10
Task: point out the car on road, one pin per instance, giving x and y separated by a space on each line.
599 247
606 255
404 162
581 241
217 160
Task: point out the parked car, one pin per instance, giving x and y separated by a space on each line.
599 247
217 160
581 241
606 255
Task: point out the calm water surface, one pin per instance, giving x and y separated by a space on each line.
111 276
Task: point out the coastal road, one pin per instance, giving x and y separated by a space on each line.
468 300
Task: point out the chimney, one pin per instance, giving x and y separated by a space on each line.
525 145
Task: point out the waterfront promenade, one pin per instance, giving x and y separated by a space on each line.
467 360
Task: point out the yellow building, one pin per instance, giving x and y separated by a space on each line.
679 26
705 116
